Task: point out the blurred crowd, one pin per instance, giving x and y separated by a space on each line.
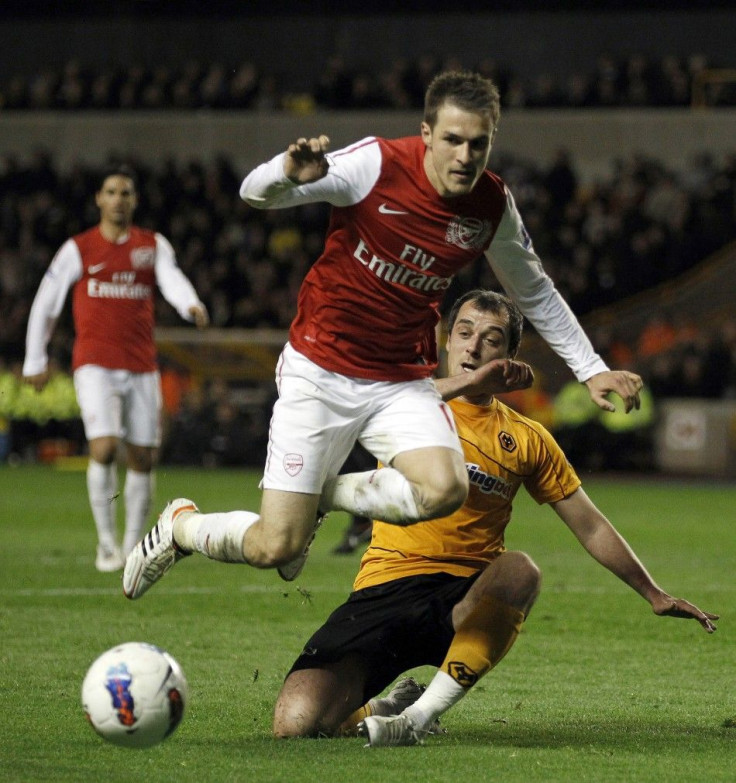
600 242
633 81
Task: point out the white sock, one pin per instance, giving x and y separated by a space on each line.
217 536
379 494
102 486
138 491
440 695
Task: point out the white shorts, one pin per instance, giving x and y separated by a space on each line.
319 416
124 404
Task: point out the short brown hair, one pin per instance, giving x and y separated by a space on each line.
492 302
467 90
118 170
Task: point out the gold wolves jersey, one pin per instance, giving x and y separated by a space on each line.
503 450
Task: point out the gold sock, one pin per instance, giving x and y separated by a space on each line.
481 641
349 727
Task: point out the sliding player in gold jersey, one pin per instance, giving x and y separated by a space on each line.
446 592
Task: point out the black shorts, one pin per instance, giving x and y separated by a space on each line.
393 626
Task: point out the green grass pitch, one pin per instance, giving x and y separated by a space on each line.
596 689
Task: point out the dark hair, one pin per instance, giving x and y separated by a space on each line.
465 89
118 170
492 302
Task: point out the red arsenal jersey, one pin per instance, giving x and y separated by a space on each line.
113 301
369 306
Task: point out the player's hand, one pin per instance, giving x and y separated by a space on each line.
305 160
622 382
667 606
499 376
200 316
37 381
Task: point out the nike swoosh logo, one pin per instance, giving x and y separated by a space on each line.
93 270
384 210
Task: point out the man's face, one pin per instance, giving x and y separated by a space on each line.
457 151
117 201
477 337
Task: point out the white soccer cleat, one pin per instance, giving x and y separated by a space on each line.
401 696
109 560
384 732
156 552
291 570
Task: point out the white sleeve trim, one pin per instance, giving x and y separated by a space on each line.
64 270
519 270
352 173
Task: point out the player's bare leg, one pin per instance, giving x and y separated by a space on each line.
317 701
279 537
438 478
285 527
420 484
487 622
512 578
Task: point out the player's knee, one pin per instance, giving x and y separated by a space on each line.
140 458
275 553
296 720
530 575
289 726
103 450
268 546
442 494
524 580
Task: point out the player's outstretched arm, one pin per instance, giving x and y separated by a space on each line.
496 377
305 160
622 382
603 542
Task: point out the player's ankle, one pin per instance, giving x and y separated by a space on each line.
184 531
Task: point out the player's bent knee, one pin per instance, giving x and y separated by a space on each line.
291 730
440 498
273 549
292 722
444 488
445 503
524 578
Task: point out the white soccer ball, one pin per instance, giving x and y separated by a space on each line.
134 695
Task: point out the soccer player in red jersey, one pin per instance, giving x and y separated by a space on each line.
407 215
113 270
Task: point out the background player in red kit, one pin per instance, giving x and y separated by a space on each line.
406 216
114 269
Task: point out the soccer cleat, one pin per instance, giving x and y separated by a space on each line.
384 732
401 696
156 552
291 570
109 560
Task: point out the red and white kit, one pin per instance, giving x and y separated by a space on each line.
369 305
113 307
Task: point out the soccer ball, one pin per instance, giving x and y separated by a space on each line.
134 695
